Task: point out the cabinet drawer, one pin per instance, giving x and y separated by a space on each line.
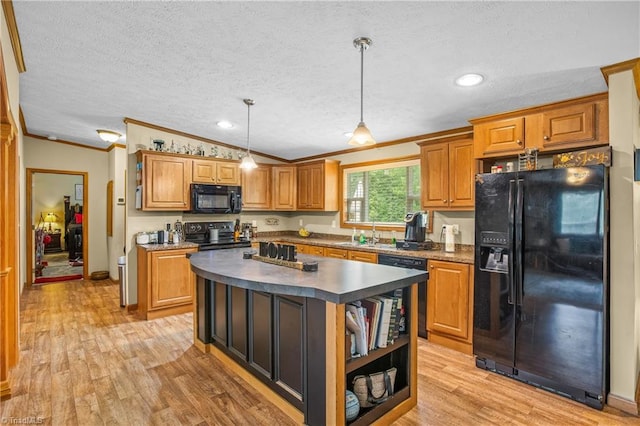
336 253
363 256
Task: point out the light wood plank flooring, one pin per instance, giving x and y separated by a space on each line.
85 361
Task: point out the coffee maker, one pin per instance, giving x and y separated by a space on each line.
414 229
414 232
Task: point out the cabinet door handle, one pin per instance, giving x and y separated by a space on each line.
444 201
546 138
519 142
431 266
451 201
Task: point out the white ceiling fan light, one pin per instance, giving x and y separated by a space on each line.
469 80
108 135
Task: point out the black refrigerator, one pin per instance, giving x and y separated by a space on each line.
541 279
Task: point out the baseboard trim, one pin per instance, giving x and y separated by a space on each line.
622 404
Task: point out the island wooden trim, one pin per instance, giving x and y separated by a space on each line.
335 364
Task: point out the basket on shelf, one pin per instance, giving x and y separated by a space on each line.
528 160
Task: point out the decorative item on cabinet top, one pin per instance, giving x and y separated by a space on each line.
200 150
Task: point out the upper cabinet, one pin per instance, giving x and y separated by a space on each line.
215 172
165 181
448 169
571 124
284 187
318 186
256 188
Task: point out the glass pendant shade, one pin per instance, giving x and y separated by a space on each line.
361 136
248 162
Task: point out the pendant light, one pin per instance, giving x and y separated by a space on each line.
247 161
362 135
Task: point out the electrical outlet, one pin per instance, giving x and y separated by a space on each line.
456 229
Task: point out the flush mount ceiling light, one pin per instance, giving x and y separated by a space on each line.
248 162
362 135
224 124
469 80
108 135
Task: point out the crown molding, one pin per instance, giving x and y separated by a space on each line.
12 26
420 138
65 142
116 145
631 64
128 120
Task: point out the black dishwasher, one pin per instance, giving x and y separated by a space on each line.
412 263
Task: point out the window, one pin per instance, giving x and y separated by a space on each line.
382 193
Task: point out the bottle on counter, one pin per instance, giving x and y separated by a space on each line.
363 238
169 234
393 237
236 230
354 236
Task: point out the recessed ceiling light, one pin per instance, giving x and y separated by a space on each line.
224 124
52 138
468 80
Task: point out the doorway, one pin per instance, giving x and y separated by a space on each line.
57 235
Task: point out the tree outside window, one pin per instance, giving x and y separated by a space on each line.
381 193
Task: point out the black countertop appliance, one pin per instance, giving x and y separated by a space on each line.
414 229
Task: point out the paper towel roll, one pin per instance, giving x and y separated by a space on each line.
449 243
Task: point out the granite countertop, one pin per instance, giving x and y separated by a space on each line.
336 280
167 246
463 253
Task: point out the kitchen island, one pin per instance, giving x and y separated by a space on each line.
283 330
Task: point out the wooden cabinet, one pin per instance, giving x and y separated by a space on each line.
55 244
165 181
448 170
572 124
256 188
449 305
309 249
165 282
215 172
363 256
336 253
318 186
284 187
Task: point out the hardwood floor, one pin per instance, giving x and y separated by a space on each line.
85 361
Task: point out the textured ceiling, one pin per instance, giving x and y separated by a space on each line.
187 65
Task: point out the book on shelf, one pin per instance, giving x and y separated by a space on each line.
384 323
360 329
374 321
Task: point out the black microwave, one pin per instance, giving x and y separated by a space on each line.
215 198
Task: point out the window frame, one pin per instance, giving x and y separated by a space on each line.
372 165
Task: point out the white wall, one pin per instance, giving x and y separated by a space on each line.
625 237
117 174
53 156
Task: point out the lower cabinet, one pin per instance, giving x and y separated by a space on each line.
450 305
165 282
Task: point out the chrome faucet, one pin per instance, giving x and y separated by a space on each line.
374 239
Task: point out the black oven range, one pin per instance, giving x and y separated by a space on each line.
213 235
